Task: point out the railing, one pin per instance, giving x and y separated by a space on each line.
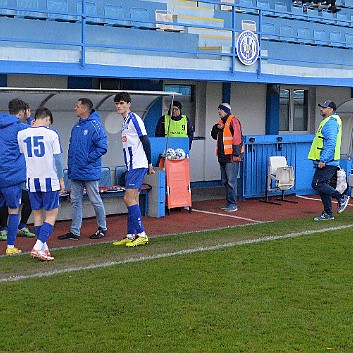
284 23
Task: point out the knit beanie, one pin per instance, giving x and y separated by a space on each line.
177 104
225 107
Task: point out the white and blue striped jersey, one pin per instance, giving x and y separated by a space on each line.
39 145
134 154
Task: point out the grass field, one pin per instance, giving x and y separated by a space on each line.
275 287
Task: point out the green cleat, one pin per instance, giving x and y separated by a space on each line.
13 251
3 235
24 232
138 241
124 241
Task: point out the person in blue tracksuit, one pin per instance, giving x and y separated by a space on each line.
88 143
12 168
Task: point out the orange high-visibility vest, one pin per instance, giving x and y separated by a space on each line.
227 136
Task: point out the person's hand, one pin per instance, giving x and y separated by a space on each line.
220 126
150 169
321 165
236 159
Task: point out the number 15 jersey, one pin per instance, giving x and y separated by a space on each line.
39 145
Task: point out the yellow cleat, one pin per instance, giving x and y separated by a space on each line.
138 241
124 241
13 251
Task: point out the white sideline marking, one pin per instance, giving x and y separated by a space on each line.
228 215
169 254
314 199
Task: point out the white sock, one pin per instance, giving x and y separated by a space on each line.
38 245
45 247
142 235
10 246
131 236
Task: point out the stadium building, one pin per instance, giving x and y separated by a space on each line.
273 61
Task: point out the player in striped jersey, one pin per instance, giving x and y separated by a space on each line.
42 150
137 156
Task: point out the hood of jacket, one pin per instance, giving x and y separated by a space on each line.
7 119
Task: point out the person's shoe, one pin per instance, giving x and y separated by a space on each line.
100 233
24 232
224 207
138 241
343 204
13 251
231 209
123 241
47 253
41 255
324 217
3 235
70 236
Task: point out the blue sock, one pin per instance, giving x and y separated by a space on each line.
12 227
45 230
130 221
137 218
37 230
22 225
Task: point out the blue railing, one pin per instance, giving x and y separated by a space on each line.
88 30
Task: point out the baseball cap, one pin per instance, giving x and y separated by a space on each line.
328 104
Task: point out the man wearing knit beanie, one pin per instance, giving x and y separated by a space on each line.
175 125
229 149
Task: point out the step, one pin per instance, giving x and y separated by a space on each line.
200 21
214 41
190 10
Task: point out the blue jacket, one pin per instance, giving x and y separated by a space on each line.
88 143
12 162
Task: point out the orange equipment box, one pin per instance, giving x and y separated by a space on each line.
178 183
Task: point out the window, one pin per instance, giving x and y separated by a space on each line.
293 115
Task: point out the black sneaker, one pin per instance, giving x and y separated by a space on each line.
100 233
70 236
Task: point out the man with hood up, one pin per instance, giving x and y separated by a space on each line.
12 168
88 143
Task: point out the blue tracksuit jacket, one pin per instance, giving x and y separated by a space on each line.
88 143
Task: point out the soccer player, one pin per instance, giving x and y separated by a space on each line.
137 156
12 168
42 149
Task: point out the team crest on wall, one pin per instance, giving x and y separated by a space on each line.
247 47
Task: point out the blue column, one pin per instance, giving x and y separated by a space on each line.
3 80
226 90
272 110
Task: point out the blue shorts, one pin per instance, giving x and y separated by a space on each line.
48 200
11 196
134 178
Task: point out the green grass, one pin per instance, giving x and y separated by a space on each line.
286 295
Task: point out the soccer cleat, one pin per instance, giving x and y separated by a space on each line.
224 207
343 204
138 241
3 235
124 241
13 251
24 232
70 236
100 233
324 217
41 255
47 252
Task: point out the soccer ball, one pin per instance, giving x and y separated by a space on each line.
180 153
170 154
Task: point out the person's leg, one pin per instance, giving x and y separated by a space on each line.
76 202
4 214
224 180
95 198
321 183
231 170
26 210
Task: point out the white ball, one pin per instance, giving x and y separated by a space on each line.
170 153
180 153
